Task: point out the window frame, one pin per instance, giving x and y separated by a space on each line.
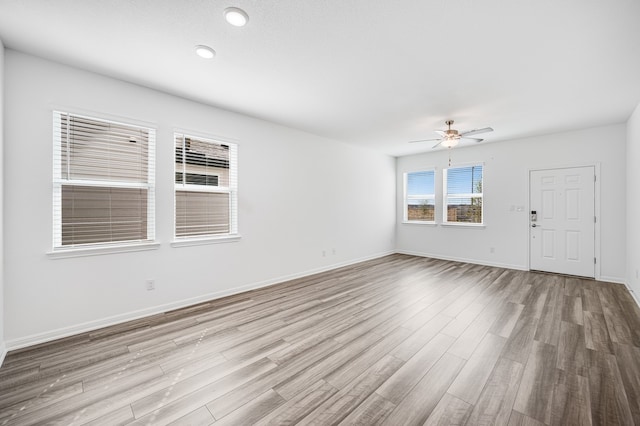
231 190
83 249
446 196
406 197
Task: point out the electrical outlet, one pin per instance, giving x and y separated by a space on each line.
151 285
324 253
333 252
492 249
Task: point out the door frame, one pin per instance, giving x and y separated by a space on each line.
596 201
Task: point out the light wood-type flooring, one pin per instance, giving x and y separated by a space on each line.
399 340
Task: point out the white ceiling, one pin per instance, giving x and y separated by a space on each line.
376 73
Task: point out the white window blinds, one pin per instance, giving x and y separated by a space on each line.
463 194
103 183
419 205
205 187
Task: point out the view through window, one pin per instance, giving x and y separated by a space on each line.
463 194
419 205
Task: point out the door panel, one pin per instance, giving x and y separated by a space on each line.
562 236
549 243
573 245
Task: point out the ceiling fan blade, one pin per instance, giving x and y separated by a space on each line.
438 144
426 140
472 139
476 131
440 132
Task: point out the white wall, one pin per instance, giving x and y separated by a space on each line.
2 309
633 202
299 194
506 182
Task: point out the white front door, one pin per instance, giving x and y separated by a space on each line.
562 221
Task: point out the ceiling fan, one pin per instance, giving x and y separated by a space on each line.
451 137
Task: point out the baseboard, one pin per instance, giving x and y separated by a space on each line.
130 316
616 280
632 293
461 259
3 352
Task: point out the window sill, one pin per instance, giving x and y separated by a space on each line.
418 222
188 242
464 225
63 253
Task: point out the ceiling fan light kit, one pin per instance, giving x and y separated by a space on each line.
449 143
451 137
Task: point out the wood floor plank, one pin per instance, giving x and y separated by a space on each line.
230 401
628 358
118 417
572 354
371 412
396 340
288 388
77 372
456 327
14 404
402 382
521 292
440 303
469 383
199 417
180 398
496 399
519 343
596 334
340 405
573 287
449 411
107 377
519 419
96 403
591 301
420 402
571 400
535 395
347 372
193 380
505 324
405 314
630 311
466 344
572 309
615 318
609 401
253 411
299 406
548 330
535 301
471 286
420 337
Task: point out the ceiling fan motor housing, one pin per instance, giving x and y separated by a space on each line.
452 134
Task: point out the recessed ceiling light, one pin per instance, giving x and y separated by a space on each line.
205 51
236 17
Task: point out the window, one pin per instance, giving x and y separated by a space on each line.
463 194
103 182
419 204
205 187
